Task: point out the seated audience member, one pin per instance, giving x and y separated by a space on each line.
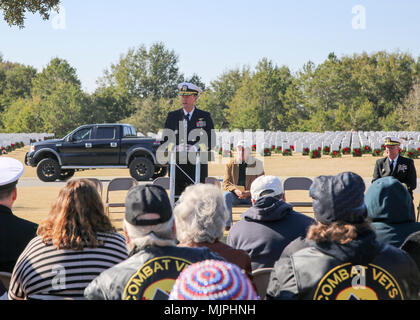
200 217
269 225
240 172
74 245
344 261
155 261
411 245
391 209
213 280
15 233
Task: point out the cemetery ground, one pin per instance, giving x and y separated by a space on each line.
35 197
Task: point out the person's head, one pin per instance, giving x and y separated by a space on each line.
76 215
338 203
200 214
213 280
189 94
243 150
387 200
148 217
266 186
10 172
392 147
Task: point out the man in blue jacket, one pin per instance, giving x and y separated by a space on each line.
269 225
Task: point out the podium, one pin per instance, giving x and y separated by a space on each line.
186 168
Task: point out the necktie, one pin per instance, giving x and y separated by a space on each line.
187 117
392 166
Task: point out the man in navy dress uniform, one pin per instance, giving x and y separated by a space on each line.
193 130
15 233
396 166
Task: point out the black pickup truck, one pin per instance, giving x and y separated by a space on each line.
96 146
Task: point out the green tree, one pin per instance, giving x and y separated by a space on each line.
145 72
142 120
257 104
14 11
15 82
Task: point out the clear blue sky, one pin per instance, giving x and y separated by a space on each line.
211 37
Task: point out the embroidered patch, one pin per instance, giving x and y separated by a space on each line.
351 282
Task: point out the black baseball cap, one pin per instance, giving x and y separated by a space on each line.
145 199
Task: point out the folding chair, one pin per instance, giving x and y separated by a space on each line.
118 184
5 278
162 181
98 184
298 183
418 212
260 279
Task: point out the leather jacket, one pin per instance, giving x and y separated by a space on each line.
148 274
360 270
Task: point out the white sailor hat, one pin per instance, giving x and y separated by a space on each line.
10 171
392 141
188 89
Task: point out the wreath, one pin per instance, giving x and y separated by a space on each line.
305 151
357 152
377 152
287 152
335 154
326 150
313 154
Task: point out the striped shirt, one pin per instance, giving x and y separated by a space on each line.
43 272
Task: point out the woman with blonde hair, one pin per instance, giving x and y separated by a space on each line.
75 243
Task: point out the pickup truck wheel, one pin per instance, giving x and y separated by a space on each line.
66 174
160 172
142 169
48 170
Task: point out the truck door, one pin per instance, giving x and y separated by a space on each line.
106 145
76 150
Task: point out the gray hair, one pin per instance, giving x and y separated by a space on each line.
161 235
200 214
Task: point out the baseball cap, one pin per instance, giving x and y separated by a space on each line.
144 200
266 183
339 198
10 171
213 280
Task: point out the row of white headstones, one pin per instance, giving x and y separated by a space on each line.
314 140
7 139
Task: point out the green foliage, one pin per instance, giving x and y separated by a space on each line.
379 91
150 113
141 73
14 11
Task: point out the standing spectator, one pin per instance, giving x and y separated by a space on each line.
155 261
75 244
15 233
391 209
343 261
269 225
396 166
213 280
240 172
200 217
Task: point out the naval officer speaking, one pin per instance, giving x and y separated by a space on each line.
191 128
